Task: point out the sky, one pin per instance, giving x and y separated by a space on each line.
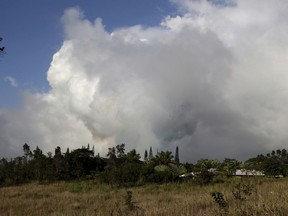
209 76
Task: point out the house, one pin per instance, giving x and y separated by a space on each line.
193 174
244 172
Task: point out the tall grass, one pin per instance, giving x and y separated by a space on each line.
269 197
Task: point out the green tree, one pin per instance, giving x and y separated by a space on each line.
255 163
60 166
204 170
273 164
133 155
57 152
122 169
163 158
131 168
111 153
39 164
67 151
205 164
177 160
81 162
229 166
273 167
165 169
27 167
120 150
150 153
145 155
27 152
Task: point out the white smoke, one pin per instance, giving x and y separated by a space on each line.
212 81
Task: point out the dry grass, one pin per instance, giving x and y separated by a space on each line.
270 197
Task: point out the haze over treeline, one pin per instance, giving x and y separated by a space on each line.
211 80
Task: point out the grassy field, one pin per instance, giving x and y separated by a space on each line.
268 197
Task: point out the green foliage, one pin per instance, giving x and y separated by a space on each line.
27 152
204 177
122 169
120 150
219 199
229 166
79 187
241 191
145 155
126 169
177 160
129 203
80 162
150 153
204 171
273 164
133 156
163 158
205 164
77 164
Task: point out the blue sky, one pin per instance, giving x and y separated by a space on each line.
32 33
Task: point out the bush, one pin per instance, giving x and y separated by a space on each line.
204 177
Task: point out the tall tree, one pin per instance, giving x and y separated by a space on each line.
111 153
177 155
27 152
60 166
150 153
93 150
39 164
67 151
145 155
58 151
120 150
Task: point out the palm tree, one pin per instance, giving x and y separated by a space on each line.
163 158
163 163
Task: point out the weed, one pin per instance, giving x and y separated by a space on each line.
240 194
117 209
219 199
79 187
128 201
241 191
269 198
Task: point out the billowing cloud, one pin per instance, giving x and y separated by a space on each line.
212 81
11 80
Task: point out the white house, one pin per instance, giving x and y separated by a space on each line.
244 172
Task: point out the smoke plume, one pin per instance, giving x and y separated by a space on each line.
212 81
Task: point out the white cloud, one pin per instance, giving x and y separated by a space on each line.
11 80
212 81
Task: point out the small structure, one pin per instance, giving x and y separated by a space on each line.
244 172
191 174
213 171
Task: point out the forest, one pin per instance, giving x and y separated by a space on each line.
128 169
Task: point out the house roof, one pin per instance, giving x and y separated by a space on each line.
244 172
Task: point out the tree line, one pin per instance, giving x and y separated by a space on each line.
124 169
